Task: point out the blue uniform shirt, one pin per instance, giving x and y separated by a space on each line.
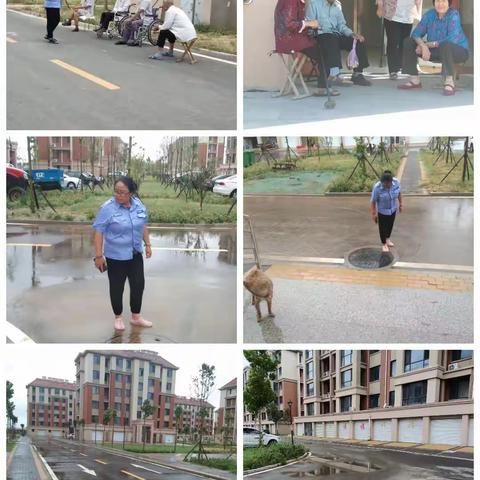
122 228
52 3
386 198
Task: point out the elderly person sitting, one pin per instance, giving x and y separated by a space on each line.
133 23
121 6
291 36
334 36
176 25
85 9
445 42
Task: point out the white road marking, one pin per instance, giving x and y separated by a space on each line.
88 471
145 468
83 455
29 245
45 464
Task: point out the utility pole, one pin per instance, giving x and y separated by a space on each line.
129 154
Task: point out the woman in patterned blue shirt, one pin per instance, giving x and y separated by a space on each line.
439 37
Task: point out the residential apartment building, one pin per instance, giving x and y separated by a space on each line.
219 153
123 380
419 396
12 148
286 387
50 407
191 420
226 415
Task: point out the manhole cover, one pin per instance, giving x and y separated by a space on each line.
370 258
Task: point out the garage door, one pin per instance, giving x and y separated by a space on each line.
117 437
300 429
471 437
446 431
97 435
344 430
362 430
168 438
40 433
382 430
331 430
320 429
56 433
410 430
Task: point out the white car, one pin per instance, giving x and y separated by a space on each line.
251 437
226 186
70 182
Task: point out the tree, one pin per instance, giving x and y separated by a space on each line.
107 417
178 412
114 417
11 418
258 393
147 411
274 414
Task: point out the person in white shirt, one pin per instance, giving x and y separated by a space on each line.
85 9
132 24
176 26
121 6
398 17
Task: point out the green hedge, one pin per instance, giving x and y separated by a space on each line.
264 456
228 464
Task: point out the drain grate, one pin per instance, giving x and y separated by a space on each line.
370 258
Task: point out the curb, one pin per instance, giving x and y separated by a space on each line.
46 466
268 467
192 226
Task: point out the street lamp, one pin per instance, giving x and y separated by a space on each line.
291 419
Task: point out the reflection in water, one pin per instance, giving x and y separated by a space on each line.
322 471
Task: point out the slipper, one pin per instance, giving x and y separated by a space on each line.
449 90
322 92
155 56
409 86
339 82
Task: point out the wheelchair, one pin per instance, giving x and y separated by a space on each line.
115 27
149 29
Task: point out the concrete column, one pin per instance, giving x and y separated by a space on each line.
356 402
464 431
395 429
426 430
433 390
350 427
337 404
398 395
336 428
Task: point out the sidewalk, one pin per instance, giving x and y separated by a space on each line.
23 465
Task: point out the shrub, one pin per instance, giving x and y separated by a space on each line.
275 454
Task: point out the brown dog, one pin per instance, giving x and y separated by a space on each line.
260 286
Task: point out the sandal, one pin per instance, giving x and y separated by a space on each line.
449 90
322 92
339 82
409 86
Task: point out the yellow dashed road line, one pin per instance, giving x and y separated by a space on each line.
86 75
11 40
132 475
100 461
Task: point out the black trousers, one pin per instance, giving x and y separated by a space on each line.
118 272
53 19
165 35
396 34
105 19
448 54
385 226
332 46
315 54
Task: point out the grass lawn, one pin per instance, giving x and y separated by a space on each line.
264 456
341 164
11 445
228 464
161 202
434 174
159 448
209 38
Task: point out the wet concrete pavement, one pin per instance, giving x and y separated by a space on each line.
22 466
412 175
73 461
54 293
431 230
374 463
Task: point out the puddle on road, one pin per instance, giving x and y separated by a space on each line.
324 471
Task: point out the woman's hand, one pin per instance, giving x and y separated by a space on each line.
148 251
99 262
426 53
380 12
375 218
400 208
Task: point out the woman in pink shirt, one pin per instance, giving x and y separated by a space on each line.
398 16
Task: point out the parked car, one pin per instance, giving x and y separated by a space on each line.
17 183
211 181
70 182
251 437
226 186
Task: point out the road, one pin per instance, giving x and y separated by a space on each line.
374 463
152 95
56 295
76 461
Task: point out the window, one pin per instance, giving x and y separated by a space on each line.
127 393
375 374
96 375
140 386
346 378
120 363
393 368
169 373
129 364
458 388
345 358
139 400
118 392
346 403
391 398
96 359
128 379
118 377
150 395
310 409
461 355
309 370
169 387
363 377
95 390
151 382
310 389
107 362
117 407
372 352
95 404
308 354
414 393
152 368
94 418
373 400
167 412
140 372
415 359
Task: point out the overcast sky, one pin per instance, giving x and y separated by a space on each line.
25 363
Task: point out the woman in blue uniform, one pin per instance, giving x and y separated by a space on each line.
120 232
386 200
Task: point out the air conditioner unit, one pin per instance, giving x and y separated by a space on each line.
453 366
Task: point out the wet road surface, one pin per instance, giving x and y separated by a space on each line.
72 461
56 295
431 230
342 462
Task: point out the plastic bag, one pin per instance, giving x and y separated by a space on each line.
352 59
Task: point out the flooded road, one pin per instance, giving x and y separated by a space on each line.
55 295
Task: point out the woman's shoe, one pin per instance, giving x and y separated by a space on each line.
322 92
449 90
119 325
338 81
140 322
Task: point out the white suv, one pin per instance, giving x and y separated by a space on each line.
251 437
